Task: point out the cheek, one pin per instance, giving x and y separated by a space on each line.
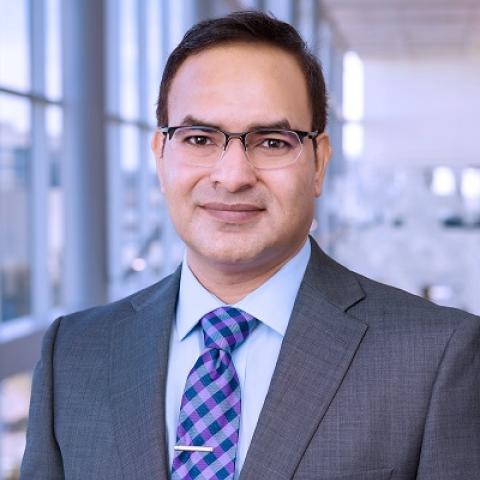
176 179
177 194
180 185
294 191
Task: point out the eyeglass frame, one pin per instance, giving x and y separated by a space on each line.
301 134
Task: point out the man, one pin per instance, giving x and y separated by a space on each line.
260 357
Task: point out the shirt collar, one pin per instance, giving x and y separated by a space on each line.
271 303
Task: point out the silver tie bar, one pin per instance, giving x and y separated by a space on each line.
192 448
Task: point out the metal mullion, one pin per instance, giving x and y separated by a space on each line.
114 122
112 42
168 236
296 14
165 31
84 172
316 17
307 9
337 124
38 98
117 119
40 291
142 89
142 84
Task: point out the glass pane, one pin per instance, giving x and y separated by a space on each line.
54 65
129 140
155 54
128 59
352 141
177 22
55 203
14 207
306 21
14 402
14 51
353 87
157 216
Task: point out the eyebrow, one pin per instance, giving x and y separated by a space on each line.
280 124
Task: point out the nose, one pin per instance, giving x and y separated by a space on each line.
233 171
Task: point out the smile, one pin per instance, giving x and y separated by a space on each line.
233 213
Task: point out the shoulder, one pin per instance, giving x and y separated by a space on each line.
398 310
380 306
94 325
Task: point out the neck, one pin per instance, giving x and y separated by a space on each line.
232 283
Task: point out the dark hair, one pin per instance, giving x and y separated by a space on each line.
252 27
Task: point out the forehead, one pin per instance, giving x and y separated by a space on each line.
239 84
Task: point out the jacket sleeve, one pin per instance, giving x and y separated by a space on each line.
451 439
42 458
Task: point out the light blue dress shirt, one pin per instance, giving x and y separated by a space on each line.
254 360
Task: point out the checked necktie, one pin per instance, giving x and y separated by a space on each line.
207 432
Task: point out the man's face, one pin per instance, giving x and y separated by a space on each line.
233 215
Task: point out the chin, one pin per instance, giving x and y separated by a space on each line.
231 249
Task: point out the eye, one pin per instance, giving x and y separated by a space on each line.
198 140
274 143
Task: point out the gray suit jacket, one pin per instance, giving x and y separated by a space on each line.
371 383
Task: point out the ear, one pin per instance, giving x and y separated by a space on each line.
323 153
157 144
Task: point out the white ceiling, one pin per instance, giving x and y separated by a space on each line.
407 27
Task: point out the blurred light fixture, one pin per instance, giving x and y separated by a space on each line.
443 181
470 184
352 139
138 264
353 105
353 87
441 294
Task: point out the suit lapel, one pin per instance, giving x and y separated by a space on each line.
139 356
317 349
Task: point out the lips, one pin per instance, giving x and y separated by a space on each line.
233 213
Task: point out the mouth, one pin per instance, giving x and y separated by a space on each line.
233 213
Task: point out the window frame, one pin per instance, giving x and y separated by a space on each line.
20 337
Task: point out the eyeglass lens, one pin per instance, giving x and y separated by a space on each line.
264 148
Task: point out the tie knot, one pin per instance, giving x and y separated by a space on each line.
227 328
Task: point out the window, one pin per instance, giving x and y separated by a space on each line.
38 274
30 145
15 221
142 244
14 402
31 216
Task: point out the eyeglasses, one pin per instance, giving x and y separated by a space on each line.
265 148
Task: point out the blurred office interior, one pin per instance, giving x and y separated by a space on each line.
82 220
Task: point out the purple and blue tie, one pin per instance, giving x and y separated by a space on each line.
207 432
